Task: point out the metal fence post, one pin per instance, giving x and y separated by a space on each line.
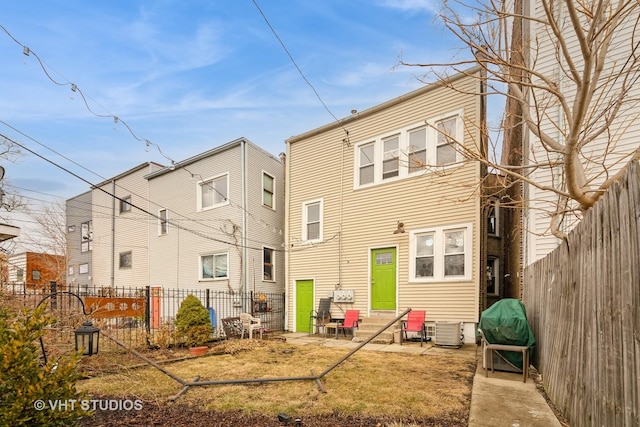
147 308
53 290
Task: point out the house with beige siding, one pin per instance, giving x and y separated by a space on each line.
218 221
384 206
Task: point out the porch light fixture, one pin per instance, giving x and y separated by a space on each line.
87 338
400 228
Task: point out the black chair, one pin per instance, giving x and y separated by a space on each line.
320 317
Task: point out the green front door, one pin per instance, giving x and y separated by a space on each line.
304 304
383 279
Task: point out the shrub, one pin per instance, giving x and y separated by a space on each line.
25 383
192 321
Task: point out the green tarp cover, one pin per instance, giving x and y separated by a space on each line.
505 322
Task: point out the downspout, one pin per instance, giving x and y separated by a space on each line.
340 217
243 172
113 232
287 272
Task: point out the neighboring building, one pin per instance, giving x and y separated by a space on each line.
218 221
117 236
79 238
212 221
364 213
610 149
497 213
35 271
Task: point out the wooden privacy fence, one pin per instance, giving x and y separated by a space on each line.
583 304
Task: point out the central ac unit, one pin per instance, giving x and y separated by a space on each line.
448 334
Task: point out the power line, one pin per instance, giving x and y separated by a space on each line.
295 64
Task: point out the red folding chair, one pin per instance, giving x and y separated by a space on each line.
414 323
350 322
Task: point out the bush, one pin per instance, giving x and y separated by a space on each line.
25 383
192 321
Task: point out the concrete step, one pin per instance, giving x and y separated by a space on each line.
368 326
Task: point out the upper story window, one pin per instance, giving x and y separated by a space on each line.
391 157
408 151
441 254
367 163
86 236
268 190
446 152
83 268
126 259
493 219
214 266
163 225
312 221
268 263
125 204
417 148
213 192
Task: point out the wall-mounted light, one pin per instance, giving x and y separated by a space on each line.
400 228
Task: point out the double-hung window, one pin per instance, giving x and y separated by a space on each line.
86 236
441 254
417 149
312 221
214 266
163 224
125 204
366 163
126 259
213 192
268 263
405 152
493 219
268 190
391 157
446 152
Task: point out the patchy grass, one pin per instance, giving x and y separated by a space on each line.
369 383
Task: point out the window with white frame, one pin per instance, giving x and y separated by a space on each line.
214 266
213 192
493 218
407 151
446 152
493 270
126 259
86 236
417 149
268 190
125 204
367 163
391 157
71 270
163 225
312 221
83 268
442 253
268 264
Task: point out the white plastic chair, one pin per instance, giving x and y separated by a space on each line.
250 324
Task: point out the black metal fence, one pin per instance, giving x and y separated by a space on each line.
144 316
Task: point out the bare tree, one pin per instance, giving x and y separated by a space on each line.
567 70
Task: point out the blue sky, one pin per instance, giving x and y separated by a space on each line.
191 75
